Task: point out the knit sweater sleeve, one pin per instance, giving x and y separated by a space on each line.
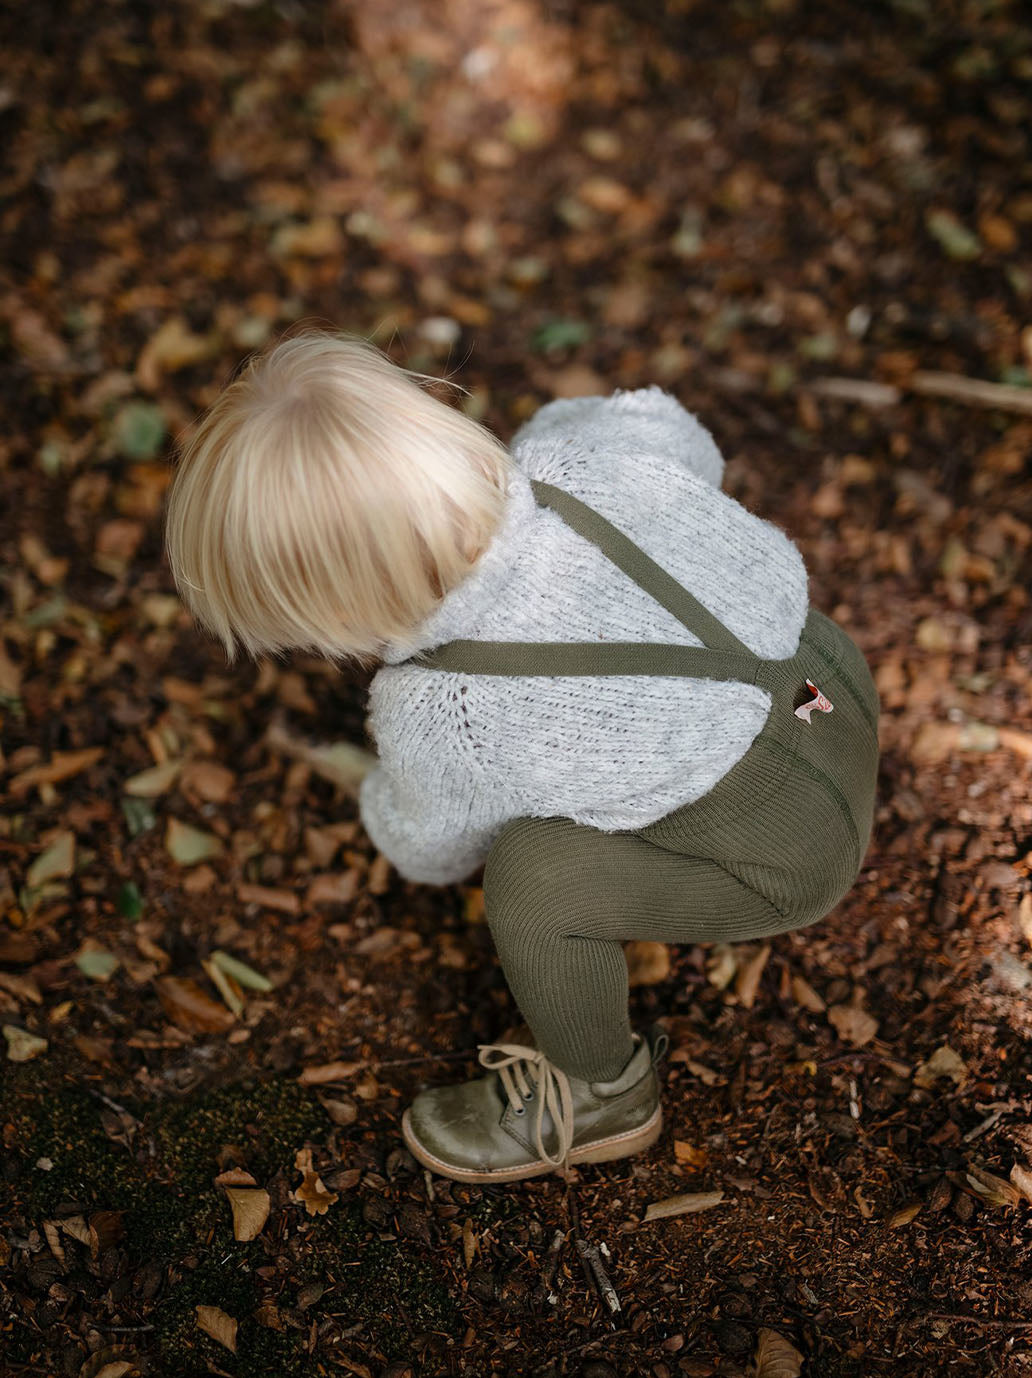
641 421
421 805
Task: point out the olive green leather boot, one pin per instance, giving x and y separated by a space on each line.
528 1117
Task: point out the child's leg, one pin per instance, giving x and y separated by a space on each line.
560 898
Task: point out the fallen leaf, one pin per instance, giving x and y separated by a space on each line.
151 783
904 1215
647 963
470 1242
226 987
214 783
21 987
117 1368
995 1191
22 1045
138 430
775 1357
250 1207
852 1024
342 1112
173 346
187 1005
285 901
1022 1179
687 1203
952 234
329 1071
240 971
57 860
747 979
721 965
189 845
216 1323
235 1177
944 1062
804 994
96 961
312 1192
61 766
342 763
688 1153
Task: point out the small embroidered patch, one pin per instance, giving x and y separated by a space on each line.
818 702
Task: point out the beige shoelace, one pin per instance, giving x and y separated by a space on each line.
526 1073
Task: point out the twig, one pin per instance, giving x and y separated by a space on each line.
462 1056
1002 1323
122 1329
593 1262
952 387
551 1265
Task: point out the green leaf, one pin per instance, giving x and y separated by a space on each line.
138 430
560 334
189 845
22 1045
138 815
240 971
129 901
148 784
953 235
96 962
57 860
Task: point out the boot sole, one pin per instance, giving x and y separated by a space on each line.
597 1151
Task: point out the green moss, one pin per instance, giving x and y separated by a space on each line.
171 1211
267 1122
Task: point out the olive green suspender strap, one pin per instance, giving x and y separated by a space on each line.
721 657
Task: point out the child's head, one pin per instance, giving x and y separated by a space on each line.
326 502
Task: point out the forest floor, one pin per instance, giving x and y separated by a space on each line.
205 969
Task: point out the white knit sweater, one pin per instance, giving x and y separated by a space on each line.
460 755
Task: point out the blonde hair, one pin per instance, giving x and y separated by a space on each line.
327 502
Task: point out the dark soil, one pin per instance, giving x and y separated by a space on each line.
736 201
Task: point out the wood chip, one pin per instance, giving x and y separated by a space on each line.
747 978
284 901
61 766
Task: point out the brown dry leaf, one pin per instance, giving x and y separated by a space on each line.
721 965
283 901
187 1005
470 1242
647 963
21 987
312 1192
117 1368
944 1062
173 346
250 1207
340 1111
687 1203
61 766
804 994
775 1357
689 1154
1022 1179
904 1215
216 1323
995 1191
329 1071
214 783
852 1024
235 1177
332 888
747 979
342 763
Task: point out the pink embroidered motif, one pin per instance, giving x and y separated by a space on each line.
818 701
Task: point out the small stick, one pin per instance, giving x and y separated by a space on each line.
593 1261
548 1272
976 1320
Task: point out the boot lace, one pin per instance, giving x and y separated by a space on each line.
526 1074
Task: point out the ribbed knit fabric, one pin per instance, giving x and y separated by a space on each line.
461 756
772 847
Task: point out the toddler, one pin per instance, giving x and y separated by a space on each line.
598 676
